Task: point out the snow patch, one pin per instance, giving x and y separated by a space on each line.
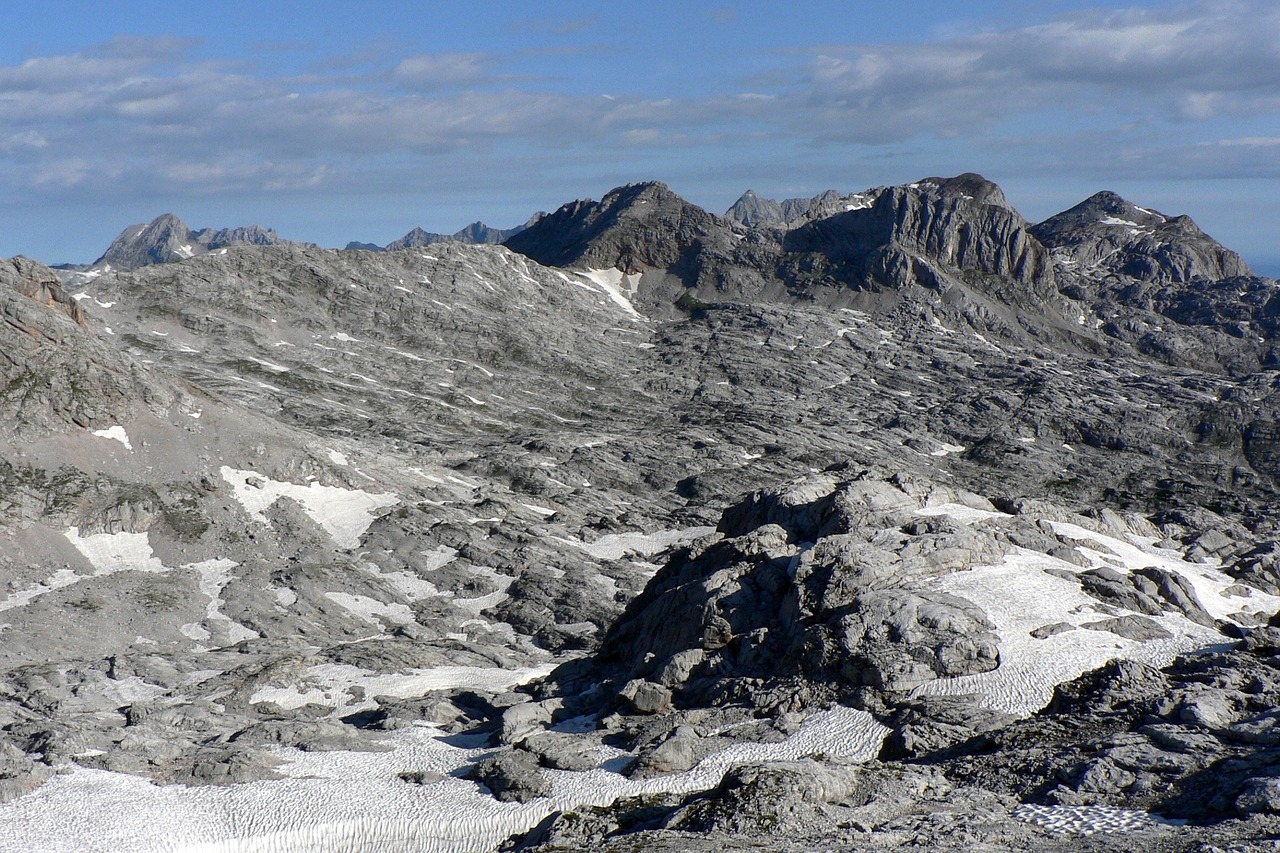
345 514
617 545
616 285
371 609
116 433
270 365
1027 591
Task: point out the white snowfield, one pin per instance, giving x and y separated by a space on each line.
340 802
345 514
1021 594
330 684
111 553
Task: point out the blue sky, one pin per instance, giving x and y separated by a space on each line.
343 121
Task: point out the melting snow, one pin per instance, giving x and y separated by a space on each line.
612 282
117 433
1025 592
343 801
345 514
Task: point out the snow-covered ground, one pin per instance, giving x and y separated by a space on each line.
358 801
1023 593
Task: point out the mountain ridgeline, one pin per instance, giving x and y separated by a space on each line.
951 249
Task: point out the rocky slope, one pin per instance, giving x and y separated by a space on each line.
820 524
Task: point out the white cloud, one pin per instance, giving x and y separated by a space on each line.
140 115
444 69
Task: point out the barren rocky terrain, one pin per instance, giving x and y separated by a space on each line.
875 521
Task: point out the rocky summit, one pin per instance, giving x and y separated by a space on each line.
879 520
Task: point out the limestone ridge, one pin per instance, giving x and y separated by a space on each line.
634 228
477 233
751 210
952 250
910 234
167 238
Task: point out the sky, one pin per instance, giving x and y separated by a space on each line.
334 122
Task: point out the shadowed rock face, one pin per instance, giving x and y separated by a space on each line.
910 234
634 228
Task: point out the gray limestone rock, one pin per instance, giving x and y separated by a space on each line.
511 777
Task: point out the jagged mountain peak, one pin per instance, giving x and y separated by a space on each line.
1110 234
168 238
416 239
1108 209
753 210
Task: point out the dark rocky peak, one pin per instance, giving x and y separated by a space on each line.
634 228
1107 234
478 232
